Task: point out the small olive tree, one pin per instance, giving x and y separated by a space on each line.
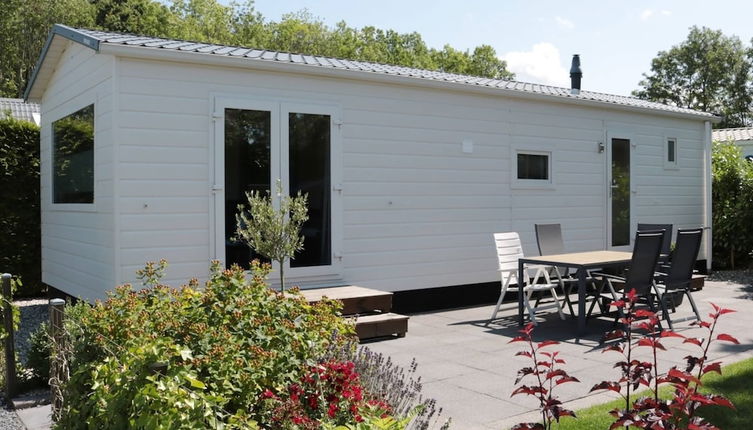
273 233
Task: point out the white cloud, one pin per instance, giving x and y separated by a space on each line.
564 23
650 13
539 65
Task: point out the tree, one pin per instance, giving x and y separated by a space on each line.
732 192
708 71
23 32
23 24
133 16
273 233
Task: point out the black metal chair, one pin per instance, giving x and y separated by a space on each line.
680 274
640 277
549 240
666 244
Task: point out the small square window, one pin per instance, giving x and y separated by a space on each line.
533 166
73 157
670 153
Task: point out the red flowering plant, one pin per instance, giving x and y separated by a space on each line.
330 392
640 328
548 373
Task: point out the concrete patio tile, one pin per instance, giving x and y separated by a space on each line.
442 370
469 367
468 409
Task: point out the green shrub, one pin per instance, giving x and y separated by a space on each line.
191 358
732 194
38 357
20 246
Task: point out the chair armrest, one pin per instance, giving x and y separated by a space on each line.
607 276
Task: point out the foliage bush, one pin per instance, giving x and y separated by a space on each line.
188 358
20 246
639 328
732 194
37 371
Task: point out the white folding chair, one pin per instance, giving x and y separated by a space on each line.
509 250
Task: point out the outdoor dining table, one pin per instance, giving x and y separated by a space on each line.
581 262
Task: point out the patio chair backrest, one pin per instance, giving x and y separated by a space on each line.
684 257
666 244
509 250
549 239
643 262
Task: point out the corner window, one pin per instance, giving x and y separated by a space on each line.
73 157
670 153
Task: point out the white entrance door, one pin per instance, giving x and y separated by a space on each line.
619 193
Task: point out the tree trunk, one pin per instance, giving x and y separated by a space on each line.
282 276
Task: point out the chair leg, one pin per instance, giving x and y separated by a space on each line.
692 304
557 301
620 312
663 305
567 291
599 291
527 302
499 301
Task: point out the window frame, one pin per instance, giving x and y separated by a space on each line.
671 165
516 182
57 114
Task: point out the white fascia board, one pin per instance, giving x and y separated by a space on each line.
141 52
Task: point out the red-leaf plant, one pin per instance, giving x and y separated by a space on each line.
679 412
548 376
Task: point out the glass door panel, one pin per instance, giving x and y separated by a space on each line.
247 168
619 192
309 137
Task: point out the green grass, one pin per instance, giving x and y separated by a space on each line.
735 383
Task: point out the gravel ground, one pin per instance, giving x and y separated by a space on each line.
8 419
743 277
33 314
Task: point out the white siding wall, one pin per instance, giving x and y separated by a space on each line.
77 243
417 211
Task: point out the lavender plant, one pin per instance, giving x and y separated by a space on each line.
395 385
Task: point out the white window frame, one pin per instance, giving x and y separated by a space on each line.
57 114
670 165
531 183
279 167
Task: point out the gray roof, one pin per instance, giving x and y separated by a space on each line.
736 134
19 109
94 38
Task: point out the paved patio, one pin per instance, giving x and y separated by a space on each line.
470 368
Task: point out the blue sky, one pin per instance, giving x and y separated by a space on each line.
616 39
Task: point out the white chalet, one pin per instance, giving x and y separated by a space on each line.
148 144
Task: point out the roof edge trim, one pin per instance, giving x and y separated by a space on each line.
67 33
206 59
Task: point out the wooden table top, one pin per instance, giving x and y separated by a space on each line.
588 258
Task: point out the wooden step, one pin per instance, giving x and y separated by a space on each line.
697 282
379 325
356 300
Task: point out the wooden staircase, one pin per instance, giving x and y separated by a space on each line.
371 308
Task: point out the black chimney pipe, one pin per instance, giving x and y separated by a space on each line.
575 75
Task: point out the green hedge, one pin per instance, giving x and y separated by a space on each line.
732 196
20 244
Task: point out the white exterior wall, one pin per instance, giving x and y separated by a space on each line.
746 147
417 211
77 240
